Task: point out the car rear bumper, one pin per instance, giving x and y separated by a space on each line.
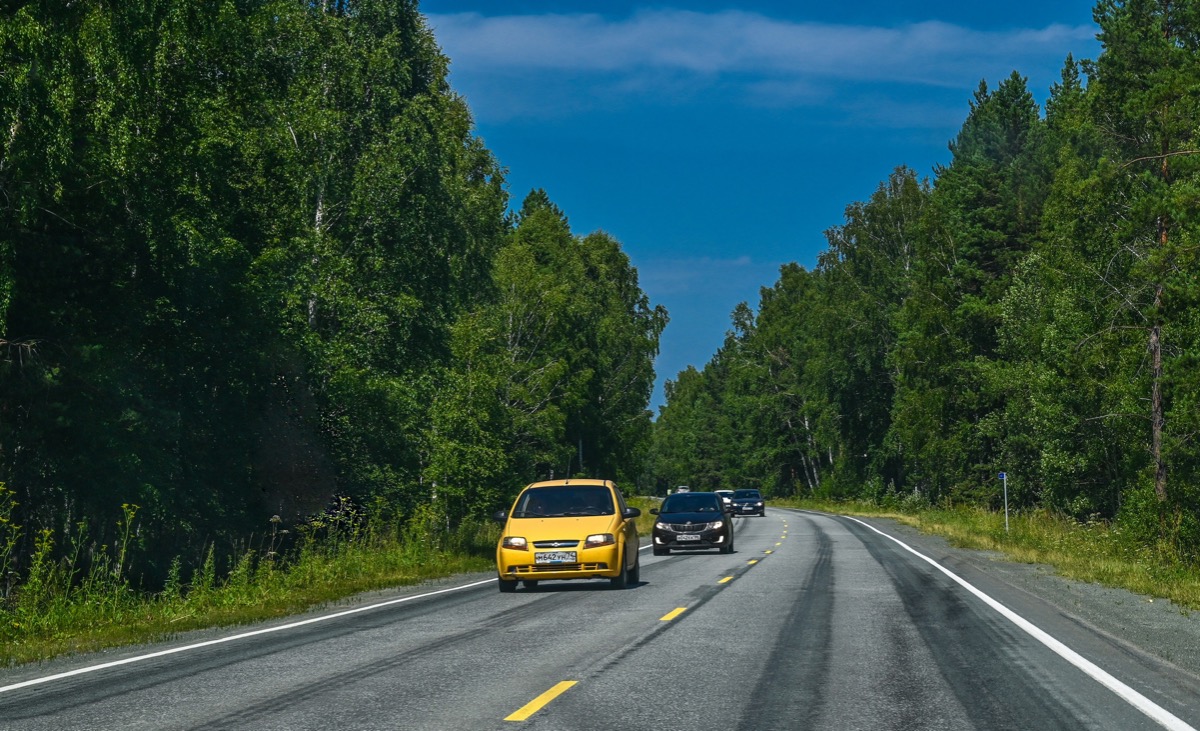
592 563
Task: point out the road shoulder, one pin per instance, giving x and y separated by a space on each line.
1148 629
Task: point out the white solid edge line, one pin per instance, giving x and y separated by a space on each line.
241 636
231 638
1160 715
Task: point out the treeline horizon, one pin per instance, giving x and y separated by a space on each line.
254 263
1034 310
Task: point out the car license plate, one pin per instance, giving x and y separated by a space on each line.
554 557
687 537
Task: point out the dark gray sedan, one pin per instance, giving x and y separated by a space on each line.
748 502
691 521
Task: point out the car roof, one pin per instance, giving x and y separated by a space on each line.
571 481
693 494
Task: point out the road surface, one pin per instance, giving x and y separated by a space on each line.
815 622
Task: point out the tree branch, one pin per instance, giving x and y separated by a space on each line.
1177 153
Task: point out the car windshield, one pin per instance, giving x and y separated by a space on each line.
563 501
691 503
753 494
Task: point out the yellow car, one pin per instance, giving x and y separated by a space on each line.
568 529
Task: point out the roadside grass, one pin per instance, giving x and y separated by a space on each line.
1097 552
60 608
645 521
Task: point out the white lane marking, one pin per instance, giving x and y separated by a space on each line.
1156 712
293 625
231 638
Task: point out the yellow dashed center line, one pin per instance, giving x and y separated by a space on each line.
770 551
777 544
536 704
726 579
673 614
752 561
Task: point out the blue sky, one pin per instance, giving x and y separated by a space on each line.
717 142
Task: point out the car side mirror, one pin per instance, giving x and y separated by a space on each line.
729 509
500 516
654 511
631 512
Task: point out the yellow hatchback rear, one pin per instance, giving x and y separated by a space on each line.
568 529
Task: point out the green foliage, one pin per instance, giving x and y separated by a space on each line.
74 604
1033 311
551 374
255 262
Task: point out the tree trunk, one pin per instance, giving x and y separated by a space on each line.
1157 417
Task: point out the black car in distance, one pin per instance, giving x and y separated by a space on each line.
748 502
692 520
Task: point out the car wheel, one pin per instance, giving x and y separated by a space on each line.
662 552
529 583
621 580
635 573
727 549
507 586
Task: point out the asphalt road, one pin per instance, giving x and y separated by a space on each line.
816 622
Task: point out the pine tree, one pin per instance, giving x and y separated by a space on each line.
1140 90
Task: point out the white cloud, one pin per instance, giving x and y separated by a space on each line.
741 43
721 278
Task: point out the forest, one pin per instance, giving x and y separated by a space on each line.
256 265
1034 309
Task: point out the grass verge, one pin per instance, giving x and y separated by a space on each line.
1094 552
56 611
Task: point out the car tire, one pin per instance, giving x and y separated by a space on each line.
727 549
635 573
529 583
621 580
507 586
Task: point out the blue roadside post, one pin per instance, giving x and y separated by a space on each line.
1004 479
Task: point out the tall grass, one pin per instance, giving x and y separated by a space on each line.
1095 551
84 601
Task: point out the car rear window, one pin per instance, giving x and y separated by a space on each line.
564 501
746 493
